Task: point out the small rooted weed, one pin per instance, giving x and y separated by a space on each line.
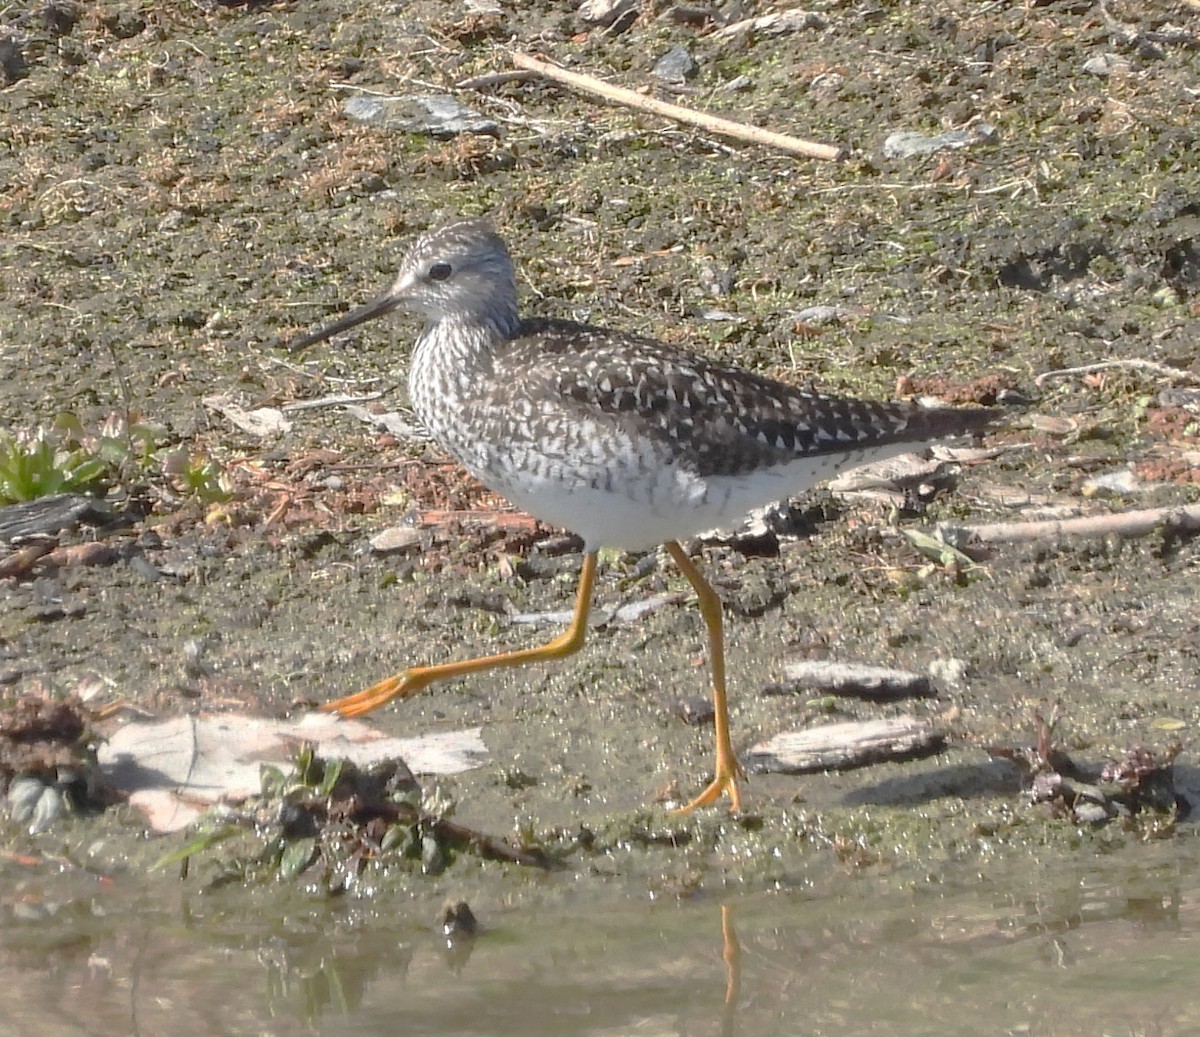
331 819
66 458
42 463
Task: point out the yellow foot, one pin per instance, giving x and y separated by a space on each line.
729 773
400 686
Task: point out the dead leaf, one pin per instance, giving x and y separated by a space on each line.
173 770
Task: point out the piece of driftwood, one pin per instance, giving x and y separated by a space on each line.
711 123
1129 524
50 515
843 746
173 770
23 559
879 683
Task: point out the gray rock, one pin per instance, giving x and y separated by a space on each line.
1091 813
12 61
908 144
1105 65
607 13
438 115
676 65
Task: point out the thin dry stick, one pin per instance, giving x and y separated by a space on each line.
1126 524
1143 365
712 123
490 80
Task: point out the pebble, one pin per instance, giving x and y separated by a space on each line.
1091 813
36 803
695 710
676 66
909 144
438 115
395 538
433 861
1105 65
826 85
606 13
1189 399
950 673
457 919
1119 483
12 61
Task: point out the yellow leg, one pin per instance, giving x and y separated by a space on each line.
731 952
728 771
409 682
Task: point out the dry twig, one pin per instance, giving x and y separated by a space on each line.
490 80
1128 524
1142 365
712 123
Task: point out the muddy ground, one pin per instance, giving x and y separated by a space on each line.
180 190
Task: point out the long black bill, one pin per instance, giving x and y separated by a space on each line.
375 308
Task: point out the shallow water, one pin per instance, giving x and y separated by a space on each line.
1098 945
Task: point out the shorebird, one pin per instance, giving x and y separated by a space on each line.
626 441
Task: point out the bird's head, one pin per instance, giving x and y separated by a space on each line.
460 272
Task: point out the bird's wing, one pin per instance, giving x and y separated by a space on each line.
716 419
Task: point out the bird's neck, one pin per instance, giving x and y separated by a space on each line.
451 358
455 342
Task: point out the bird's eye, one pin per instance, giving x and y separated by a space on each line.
439 271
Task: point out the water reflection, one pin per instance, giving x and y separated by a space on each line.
1095 948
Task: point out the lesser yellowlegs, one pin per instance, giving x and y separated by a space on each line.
626 441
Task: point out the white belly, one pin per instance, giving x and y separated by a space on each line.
636 511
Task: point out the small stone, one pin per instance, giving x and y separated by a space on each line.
1189 399
607 13
123 23
395 538
173 219
908 144
1105 65
140 566
438 115
60 16
32 801
23 796
695 710
433 861
676 65
717 280
1091 813
950 673
12 61
457 919
1119 483
826 85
